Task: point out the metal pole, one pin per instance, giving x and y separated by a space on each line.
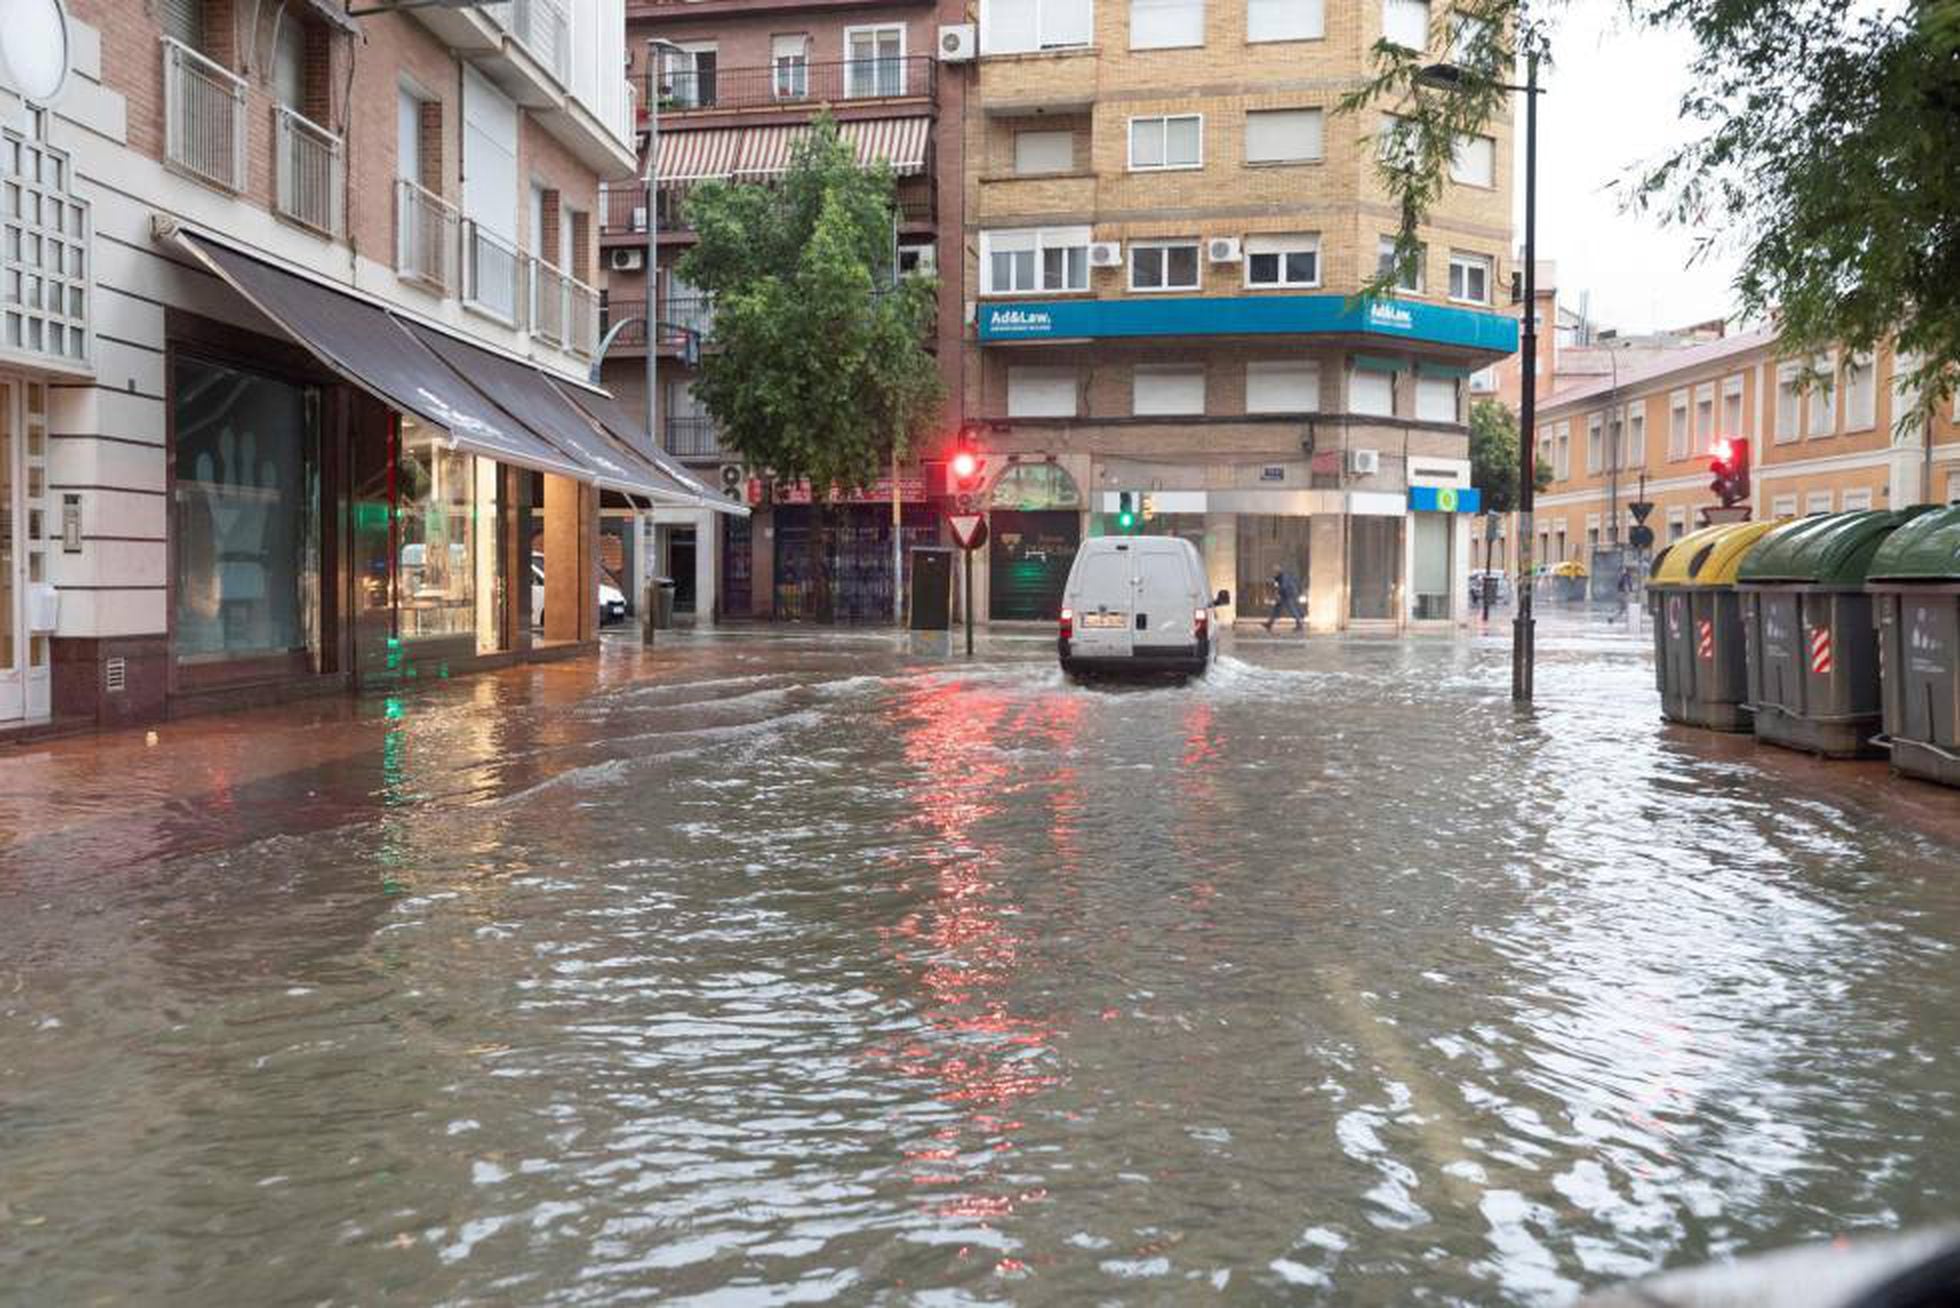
653 242
898 515
966 597
1524 626
1484 589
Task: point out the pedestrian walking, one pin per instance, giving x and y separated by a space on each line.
1286 601
1624 587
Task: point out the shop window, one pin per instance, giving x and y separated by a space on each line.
1430 564
1269 544
448 582
1374 565
247 509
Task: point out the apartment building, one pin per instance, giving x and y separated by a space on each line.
727 90
1825 434
1165 219
298 311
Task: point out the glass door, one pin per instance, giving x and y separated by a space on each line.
25 681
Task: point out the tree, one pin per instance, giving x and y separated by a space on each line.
1494 457
1828 143
815 368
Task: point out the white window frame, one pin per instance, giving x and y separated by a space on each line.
1636 435
1680 425
1294 243
1484 381
1182 373
1783 506
1263 377
1856 499
1038 404
1166 243
1389 25
1483 179
1385 249
1038 240
1595 442
1163 122
1789 417
1820 405
1677 523
1731 391
1066 134
1048 27
1182 40
1562 453
796 65
1866 399
851 61
1817 502
1310 24
1467 261
1317 150
1704 432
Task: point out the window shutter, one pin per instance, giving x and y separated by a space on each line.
1282 135
1282 387
184 20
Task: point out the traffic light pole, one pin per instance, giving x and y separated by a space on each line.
966 597
1524 625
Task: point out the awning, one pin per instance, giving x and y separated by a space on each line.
368 347
691 156
765 150
901 142
528 396
633 435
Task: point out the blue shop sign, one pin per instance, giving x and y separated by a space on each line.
1248 315
1445 499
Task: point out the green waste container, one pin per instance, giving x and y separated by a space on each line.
1808 639
1698 652
1914 580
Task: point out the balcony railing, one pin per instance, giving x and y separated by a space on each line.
773 86
564 310
623 209
493 276
306 161
678 315
692 436
542 28
203 117
425 237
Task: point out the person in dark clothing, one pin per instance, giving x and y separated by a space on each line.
1286 601
1625 588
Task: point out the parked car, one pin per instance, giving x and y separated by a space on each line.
612 601
1138 605
1499 583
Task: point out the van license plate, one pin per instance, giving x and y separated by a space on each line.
1104 620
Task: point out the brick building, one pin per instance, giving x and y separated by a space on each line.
299 308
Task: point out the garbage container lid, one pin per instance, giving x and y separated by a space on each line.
1827 549
1709 557
1925 549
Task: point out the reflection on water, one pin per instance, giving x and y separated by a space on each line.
769 969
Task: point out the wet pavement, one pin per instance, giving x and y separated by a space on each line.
784 967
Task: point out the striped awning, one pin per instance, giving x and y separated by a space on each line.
901 142
765 150
692 156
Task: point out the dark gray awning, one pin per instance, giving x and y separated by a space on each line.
528 396
364 344
633 435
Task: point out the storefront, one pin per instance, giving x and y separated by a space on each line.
852 581
1034 527
26 521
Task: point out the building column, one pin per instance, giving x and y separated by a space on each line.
1327 566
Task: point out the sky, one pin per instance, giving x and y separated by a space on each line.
1611 103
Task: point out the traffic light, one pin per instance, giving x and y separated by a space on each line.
1728 471
967 468
1149 508
1126 511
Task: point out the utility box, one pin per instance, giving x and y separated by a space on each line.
932 589
1699 661
1914 580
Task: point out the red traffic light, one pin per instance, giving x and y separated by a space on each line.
964 464
1720 453
1728 470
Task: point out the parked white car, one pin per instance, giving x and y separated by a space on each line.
612 601
1138 605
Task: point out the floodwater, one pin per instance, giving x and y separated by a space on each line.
774 968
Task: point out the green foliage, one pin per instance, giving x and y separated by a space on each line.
1828 147
815 367
1494 457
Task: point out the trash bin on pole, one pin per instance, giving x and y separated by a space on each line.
1915 584
1812 652
1699 662
663 606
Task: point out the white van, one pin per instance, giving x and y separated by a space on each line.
1137 604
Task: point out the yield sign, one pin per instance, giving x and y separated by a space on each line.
1640 509
969 529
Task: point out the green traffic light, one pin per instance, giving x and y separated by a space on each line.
1126 520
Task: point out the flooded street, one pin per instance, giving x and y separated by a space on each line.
784 967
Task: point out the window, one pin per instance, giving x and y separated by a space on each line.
1371 393
1435 398
687 76
1285 20
1034 259
1282 386
1732 407
289 63
918 257
1783 506
1007 26
1172 142
1823 399
1855 500
1473 162
1484 381
183 20
1677 524
1164 265
1161 24
1704 418
1167 390
1595 442
1044 152
1041 392
1470 41
790 57
1470 278
1430 538
1637 436
1817 502
875 61
1409 276
444 498
1406 23
1789 400
1860 393
1282 260
1282 136
1562 459
408 136
1677 425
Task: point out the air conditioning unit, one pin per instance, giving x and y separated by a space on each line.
732 477
623 258
1364 463
958 43
1106 254
1223 249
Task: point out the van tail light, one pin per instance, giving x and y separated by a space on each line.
1201 624
1068 624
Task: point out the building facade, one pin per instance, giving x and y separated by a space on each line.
298 312
1825 434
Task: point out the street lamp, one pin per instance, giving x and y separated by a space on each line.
656 46
1452 78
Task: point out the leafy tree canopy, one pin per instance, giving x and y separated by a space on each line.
1826 143
1494 457
816 366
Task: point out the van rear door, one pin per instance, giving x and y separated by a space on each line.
1165 603
1101 593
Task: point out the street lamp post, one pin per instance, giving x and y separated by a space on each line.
1524 627
656 46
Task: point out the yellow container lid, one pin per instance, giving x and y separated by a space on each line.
1710 557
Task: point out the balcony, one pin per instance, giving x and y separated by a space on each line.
425 238
679 314
623 209
793 85
692 436
542 28
306 162
493 276
564 311
203 118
